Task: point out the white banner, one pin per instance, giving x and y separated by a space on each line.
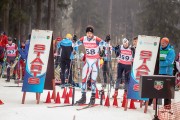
37 61
144 62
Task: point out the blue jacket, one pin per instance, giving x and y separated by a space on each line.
23 53
65 48
166 64
27 46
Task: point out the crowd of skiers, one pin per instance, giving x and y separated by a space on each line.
11 55
98 52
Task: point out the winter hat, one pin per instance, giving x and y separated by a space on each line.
165 40
125 40
89 29
69 36
10 39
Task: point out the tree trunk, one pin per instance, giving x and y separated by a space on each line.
6 19
49 15
54 19
38 17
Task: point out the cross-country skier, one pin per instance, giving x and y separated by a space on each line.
65 50
106 55
125 57
12 55
91 44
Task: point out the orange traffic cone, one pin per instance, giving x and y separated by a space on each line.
66 100
58 98
70 92
132 106
97 94
1 102
124 100
64 93
115 102
107 103
48 98
53 95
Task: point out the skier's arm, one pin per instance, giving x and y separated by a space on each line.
79 42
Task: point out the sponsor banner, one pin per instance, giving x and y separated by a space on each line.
37 61
144 63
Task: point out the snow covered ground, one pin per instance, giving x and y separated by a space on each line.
12 109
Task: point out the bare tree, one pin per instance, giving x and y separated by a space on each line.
39 15
49 15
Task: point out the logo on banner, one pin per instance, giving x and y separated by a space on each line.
158 85
155 43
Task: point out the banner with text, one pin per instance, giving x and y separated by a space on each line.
144 63
37 61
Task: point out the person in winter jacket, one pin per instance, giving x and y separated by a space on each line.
65 50
166 60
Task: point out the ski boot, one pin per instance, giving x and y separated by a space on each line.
92 99
8 80
115 93
82 100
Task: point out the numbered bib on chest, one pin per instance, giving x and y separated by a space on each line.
11 50
91 47
126 56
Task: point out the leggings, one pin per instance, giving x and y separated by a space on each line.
90 66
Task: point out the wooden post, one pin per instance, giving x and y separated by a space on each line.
54 89
141 103
146 107
126 104
38 97
23 98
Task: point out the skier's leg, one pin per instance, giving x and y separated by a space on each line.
93 81
104 67
127 76
120 70
62 73
85 74
119 78
23 69
8 66
18 68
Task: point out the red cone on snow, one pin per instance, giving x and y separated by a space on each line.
115 102
70 92
1 102
107 103
66 100
53 95
97 94
58 98
64 93
124 100
132 106
48 98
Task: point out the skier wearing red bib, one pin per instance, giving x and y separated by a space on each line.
125 57
92 45
12 54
